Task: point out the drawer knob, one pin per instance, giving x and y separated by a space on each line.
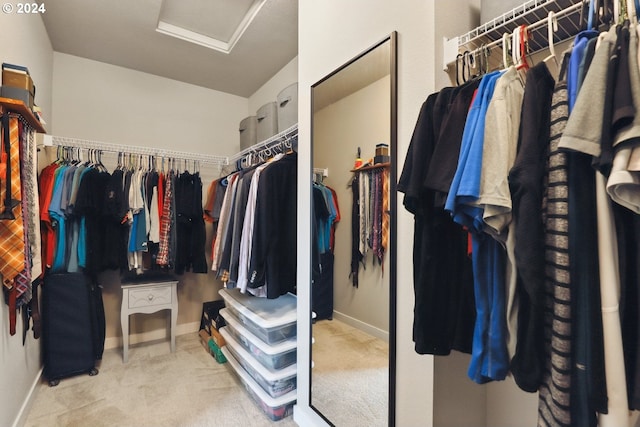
150 297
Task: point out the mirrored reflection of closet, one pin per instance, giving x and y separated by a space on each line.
351 293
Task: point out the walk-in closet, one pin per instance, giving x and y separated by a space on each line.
315 213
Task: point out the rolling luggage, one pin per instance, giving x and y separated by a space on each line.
73 326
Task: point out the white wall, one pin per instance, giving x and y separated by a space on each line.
102 102
421 26
356 25
358 120
98 101
24 42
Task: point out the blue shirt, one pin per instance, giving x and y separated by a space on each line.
465 187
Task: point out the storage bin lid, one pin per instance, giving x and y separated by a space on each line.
247 123
271 375
264 312
272 402
270 349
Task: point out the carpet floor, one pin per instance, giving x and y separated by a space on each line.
189 388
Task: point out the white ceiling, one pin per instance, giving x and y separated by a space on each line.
124 33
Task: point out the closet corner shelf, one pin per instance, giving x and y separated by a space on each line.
376 166
529 13
19 107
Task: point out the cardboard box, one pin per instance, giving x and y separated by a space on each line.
210 311
18 80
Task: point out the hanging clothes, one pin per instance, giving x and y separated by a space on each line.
190 231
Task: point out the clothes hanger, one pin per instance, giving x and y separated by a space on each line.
505 50
485 53
523 40
458 59
552 60
515 46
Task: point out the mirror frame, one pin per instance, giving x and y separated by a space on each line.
393 147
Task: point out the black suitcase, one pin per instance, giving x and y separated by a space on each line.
73 329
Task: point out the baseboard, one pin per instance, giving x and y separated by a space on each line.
21 418
156 334
359 324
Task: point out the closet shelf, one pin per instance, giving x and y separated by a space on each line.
532 13
52 140
285 135
19 107
372 167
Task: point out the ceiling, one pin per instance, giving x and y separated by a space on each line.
363 71
260 36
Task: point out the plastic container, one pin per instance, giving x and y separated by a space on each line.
248 132
274 408
271 320
276 382
267 121
276 356
287 101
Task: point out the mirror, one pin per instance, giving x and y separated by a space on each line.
353 248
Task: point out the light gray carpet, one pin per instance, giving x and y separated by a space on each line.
350 375
156 388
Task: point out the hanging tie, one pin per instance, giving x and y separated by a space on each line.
12 259
385 215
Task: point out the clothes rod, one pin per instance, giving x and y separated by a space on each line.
533 14
284 135
51 140
321 171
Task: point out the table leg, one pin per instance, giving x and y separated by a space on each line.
174 317
124 321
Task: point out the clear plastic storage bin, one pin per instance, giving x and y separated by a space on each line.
276 382
271 320
275 408
275 356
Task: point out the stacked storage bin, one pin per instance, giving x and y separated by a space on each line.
260 337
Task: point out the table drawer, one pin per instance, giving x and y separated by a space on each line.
150 297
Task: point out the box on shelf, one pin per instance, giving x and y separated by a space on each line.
17 94
216 352
275 408
271 320
212 348
210 311
267 117
276 356
276 382
17 84
217 337
287 107
248 129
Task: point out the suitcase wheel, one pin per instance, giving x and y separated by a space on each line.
53 383
93 372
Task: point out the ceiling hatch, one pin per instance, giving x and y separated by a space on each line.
216 24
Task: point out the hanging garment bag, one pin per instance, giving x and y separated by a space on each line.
73 326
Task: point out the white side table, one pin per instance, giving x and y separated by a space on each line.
148 297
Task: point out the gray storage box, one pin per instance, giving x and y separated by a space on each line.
288 107
18 94
267 117
248 129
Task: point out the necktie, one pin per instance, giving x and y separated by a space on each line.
385 212
12 259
